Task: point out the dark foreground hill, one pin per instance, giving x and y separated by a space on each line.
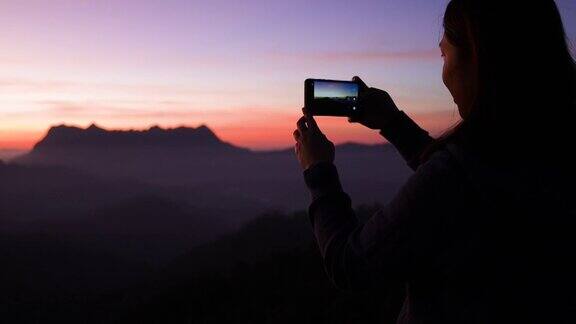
269 271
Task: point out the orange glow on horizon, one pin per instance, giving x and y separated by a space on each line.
19 139
274 132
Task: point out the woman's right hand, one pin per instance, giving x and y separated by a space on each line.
377 107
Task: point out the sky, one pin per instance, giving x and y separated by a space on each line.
236 66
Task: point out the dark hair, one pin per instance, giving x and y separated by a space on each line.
526 76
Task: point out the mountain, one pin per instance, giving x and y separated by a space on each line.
68 137
89 216
150 194
196 159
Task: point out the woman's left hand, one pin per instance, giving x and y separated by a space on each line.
311 146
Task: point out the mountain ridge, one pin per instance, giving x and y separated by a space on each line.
63 135
201 135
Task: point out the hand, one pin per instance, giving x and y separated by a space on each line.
377 107
311 146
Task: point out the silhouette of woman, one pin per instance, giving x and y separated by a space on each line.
484 231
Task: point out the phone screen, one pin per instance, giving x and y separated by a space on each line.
331 97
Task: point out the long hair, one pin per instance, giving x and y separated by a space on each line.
526 75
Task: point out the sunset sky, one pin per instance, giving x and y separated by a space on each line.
237 66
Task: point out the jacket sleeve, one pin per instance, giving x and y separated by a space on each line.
408 138
353 253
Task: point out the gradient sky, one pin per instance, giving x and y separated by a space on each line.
236 66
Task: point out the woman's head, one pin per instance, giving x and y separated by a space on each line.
507 63
459 75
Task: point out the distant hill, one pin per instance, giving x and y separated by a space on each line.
196 159
8 154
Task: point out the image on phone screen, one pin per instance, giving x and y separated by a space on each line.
336 92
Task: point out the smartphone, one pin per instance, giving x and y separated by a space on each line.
331 97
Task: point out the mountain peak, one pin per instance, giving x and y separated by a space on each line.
94 127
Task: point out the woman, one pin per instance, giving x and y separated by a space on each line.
484 231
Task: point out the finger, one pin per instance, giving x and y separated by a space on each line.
363 85
310 120
296 135
306 111
301 124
